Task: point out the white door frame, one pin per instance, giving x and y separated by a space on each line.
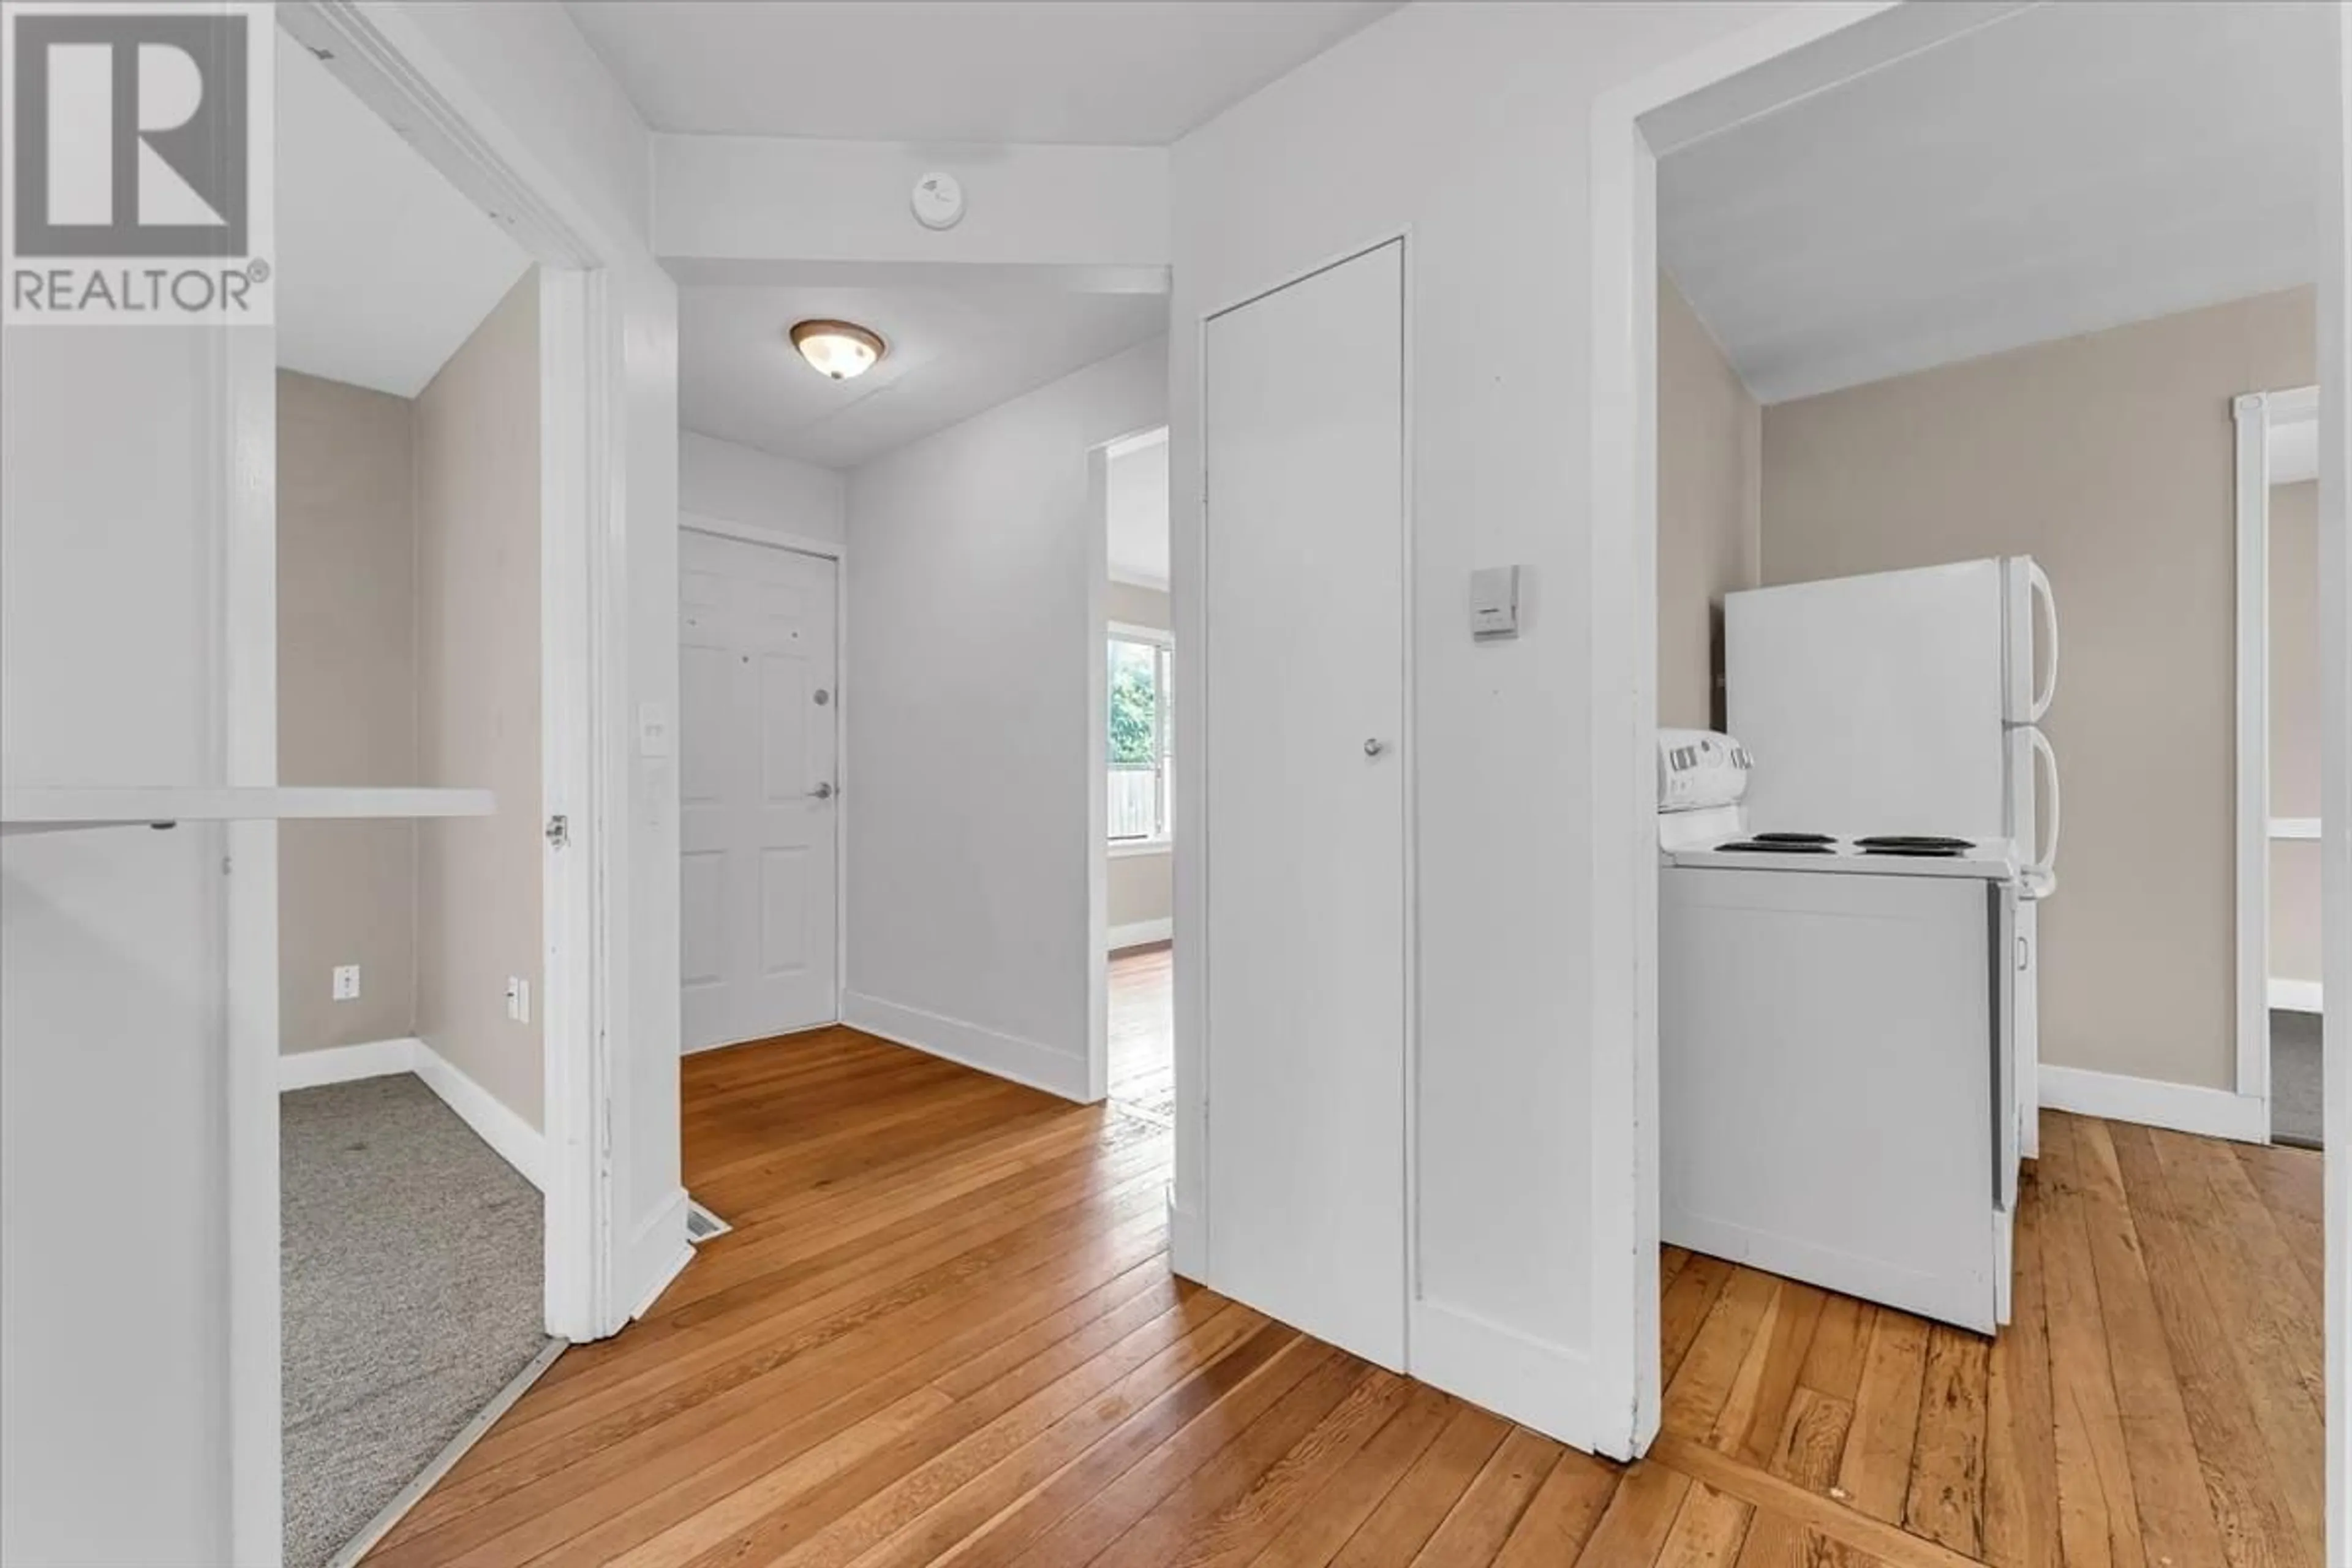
1778 68
837 552
586 758
2259 416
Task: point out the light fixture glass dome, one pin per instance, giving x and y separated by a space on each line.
837 350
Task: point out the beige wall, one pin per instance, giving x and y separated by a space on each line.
477 700
2108 458
1710 489
1141 885
346 707
2294 727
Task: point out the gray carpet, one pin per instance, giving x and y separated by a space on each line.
2295 1078
411 1263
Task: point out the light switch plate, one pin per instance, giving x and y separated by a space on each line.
652 729
347 983
1495 603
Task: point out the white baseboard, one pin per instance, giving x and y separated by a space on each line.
655 1250
512 1139
2150 1102
1139 933
1541 1385
2295 995
675 1267
345 1063
1188 1241
1005 1055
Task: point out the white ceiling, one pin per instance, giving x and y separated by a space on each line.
384 269
2066 169
1138 502
1135 72
952 353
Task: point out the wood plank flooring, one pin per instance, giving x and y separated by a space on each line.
944 1330
1142 1032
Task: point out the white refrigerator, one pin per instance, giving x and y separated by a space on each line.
1911 702
1900 702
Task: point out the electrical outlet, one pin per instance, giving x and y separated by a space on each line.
518 999
347 983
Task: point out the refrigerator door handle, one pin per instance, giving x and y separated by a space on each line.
2039 580
2048 756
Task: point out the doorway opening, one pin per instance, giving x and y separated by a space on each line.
414 1029
1139 719
2279 954
1891 1305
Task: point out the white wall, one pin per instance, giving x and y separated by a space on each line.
971 635
743 485
1470 123
114 1336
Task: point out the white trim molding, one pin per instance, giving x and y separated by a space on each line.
511 1138
2295 995
1548 1386
2251 412
749 533
2151 1103
1141 933
346 1064
1062 1073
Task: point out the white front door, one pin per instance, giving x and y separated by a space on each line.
1305 843
757 797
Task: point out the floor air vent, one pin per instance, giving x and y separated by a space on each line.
701 1225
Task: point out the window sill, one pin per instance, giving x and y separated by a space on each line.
1128 848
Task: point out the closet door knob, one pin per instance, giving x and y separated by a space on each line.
1374 747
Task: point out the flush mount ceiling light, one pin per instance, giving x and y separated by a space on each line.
837 350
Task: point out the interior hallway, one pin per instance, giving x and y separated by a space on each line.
945 1320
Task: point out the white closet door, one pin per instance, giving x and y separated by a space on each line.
757 808
1305 841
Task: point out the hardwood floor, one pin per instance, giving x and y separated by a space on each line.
1143 1031
944 1329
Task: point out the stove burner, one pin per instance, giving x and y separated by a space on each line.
1766 846
1913 841
1916 851
1793 838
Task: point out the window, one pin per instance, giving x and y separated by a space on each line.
1139 737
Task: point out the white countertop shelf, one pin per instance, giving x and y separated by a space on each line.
63 810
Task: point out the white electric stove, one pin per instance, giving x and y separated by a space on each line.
1840 1093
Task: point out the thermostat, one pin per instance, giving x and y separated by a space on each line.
1495 603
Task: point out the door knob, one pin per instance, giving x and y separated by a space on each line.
1373 747
822 792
